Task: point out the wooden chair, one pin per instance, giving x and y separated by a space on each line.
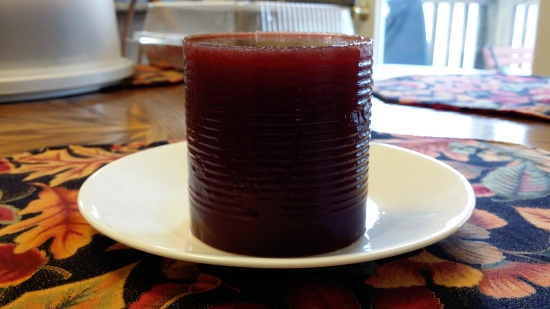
508 60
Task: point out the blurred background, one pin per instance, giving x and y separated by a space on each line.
442 33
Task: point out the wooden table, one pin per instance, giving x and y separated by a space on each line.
158 113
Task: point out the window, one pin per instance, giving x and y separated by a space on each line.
456 31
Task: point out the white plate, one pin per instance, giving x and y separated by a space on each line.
141 201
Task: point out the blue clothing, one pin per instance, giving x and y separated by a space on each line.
405 36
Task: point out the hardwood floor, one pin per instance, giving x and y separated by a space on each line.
158 113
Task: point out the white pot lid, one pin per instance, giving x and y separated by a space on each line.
50 82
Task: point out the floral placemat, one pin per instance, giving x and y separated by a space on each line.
148 75
484 93
51 258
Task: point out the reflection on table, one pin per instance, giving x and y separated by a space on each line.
157 113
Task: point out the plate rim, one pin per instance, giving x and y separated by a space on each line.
323 260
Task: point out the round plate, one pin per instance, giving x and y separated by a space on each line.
141 201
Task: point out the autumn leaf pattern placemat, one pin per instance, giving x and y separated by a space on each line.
148 75
51 258
482 93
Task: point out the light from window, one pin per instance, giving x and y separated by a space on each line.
531 26
457 36
441 35
471 36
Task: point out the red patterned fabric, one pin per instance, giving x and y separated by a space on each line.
51 258
485 93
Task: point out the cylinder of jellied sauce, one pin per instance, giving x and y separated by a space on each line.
278 130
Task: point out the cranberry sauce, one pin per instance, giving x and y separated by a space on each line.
278 133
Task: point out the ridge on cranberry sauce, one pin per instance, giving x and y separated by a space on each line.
278 141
